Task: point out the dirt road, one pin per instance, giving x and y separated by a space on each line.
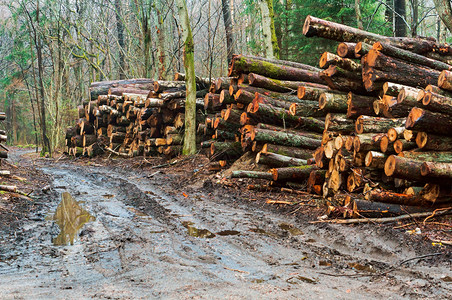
140 237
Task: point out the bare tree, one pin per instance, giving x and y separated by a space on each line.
444 9
227 18
189 63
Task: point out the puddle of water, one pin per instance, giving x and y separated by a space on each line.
359 267
291 229
196 232
298 279
228 232
262 231
70 217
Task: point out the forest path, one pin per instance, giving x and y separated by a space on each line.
142 239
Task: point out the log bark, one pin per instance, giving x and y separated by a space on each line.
426 141
399 53
346 50
445 80
367 142
292 173
382 196
252 174
368 124
278 160
401 167
246 64
160 85
434 156
424 120
288 151
359 105
333 102
329 59
375 159
277 85
285 139
339 123
342 33
437 103
312 93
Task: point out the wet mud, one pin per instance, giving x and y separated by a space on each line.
106 232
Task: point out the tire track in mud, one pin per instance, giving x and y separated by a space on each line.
140 246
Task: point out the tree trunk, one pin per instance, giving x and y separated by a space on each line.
443 7
227 19
424 120
190 106
346 50
120 32
367 124
288 151
278 160
427 141
399 18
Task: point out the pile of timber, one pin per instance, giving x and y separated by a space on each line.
380 132
135 117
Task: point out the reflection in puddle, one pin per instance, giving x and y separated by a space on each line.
193 231
70 217
292 229
262 231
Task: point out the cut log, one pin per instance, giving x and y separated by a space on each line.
246 64
359 105
346 50
395 133
252 174
382 196
160 85
343 84
368 124
333 102
339 123
292 173
403 145
396 52
437 170
284 138
338 32
285 63
375 159
445 80
402 167
282 86
278 160
427 141
437 103
362 49
424 120
312 93
367 142
329 59
287 151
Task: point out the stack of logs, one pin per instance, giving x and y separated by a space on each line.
381 126
133 118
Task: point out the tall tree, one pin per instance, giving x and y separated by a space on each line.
120 29
189 64
227 18
444 9
399 18
268 28
359 18
414 16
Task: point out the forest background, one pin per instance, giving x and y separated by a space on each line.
51 50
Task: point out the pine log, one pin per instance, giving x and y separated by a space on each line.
380 68
362 49
359 105
246 64
375 159
334 31
329 59
367 142
284 138
296 152
285 63
395 133
292 173
346 50
368 124
434 156
278 160
402 167
437 103
437 170
399 53
160 86
382 196
424 120
333 102
252 174
427 141
339 123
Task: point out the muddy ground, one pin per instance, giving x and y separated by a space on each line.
128 230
